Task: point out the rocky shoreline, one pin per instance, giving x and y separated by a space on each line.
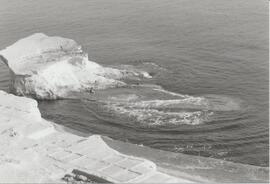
34 150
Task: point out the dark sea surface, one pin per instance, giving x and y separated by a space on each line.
215 49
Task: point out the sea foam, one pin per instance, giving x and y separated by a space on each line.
151 105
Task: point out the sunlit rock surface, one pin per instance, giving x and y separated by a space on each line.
50 67
33 150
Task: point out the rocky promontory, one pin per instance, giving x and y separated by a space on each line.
47 67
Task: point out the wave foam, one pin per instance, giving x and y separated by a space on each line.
151 105
155 117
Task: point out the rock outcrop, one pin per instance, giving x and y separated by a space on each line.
33 150
50 67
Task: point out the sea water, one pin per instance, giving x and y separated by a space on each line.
195 51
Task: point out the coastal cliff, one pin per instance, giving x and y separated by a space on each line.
50 67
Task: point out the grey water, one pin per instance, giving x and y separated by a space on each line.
212 49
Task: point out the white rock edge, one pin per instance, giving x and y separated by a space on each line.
51 67
33 150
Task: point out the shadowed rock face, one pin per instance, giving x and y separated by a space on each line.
50 67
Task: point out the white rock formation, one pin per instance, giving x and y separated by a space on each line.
50 67
32 150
